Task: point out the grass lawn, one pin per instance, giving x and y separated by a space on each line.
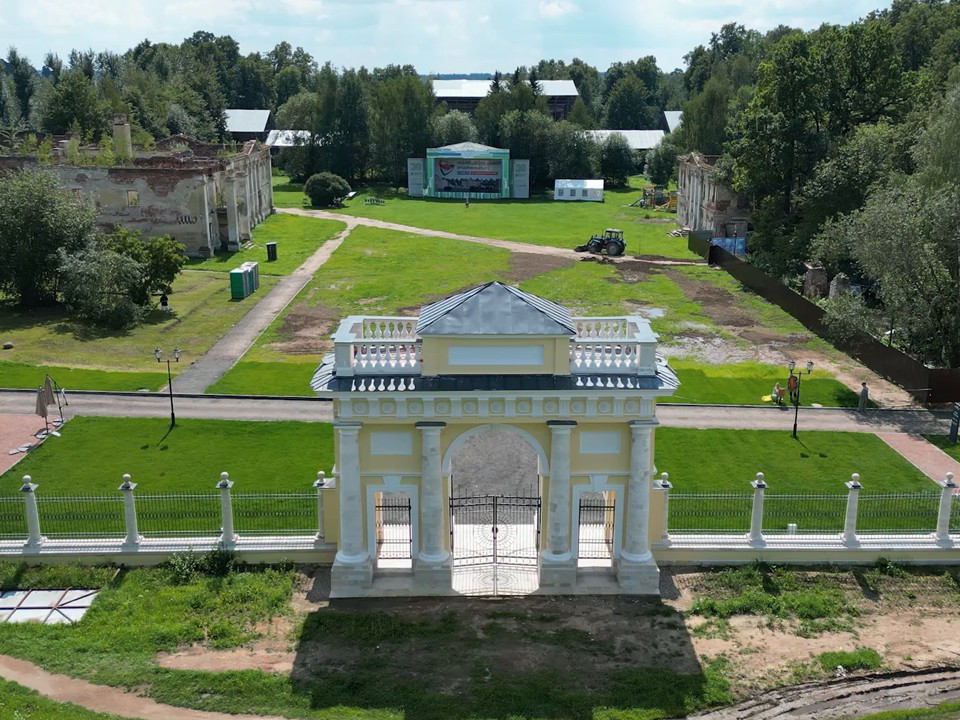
538 220
20 703
746 383
19 375
297 238
943 442
944 711
47 339
429 665
94 452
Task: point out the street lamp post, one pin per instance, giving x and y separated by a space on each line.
158 353
793 385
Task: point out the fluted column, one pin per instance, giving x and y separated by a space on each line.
351 549
558 536
233 223
433 550
636 546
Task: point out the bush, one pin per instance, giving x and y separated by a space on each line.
219 562
325 188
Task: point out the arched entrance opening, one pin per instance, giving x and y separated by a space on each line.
495 480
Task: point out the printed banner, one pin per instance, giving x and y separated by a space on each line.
463 175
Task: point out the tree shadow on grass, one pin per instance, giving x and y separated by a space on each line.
465 658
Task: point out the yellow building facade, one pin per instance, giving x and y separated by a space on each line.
410 393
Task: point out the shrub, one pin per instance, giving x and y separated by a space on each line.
183 566
325 188
220 562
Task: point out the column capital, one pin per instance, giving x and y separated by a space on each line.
430 424
561 423
347 428
641 425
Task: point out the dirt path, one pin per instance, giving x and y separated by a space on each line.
101 698
234 344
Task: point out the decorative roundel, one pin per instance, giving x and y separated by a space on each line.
604 407
578 406
523 406
550 406
360 407
416 407
388 407
443 407
496 406
632 406
470 407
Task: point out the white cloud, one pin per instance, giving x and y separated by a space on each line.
556 8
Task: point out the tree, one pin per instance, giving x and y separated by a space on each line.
616 160
572 153
401 123
99 285
161 259
38 218
579 115
705 117
527 135
350 145
74 102
325 188
628 105
661 162
24 80
453 127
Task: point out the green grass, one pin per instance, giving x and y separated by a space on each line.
93 453
746 383
20 703
388 665
19 375
943 442
251 377
860 659
538 220
297 238
202 312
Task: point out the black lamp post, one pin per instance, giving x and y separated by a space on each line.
176 356
793 385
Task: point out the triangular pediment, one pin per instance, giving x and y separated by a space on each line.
494 309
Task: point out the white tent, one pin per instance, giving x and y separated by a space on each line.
591 190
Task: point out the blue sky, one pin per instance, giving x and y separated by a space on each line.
432 35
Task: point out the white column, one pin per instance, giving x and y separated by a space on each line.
663 484
233 223
943 517
34 538
133 538
320 484
228 537
351 550
432 547
636 547
244 193
756 517
850 520
558 536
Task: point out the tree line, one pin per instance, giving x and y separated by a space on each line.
844 140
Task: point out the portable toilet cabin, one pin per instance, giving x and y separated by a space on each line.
578 190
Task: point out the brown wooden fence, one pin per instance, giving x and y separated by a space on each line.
929 385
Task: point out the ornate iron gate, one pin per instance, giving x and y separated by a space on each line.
488 531
394 532
595 527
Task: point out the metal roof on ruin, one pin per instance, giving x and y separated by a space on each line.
479 88
246 121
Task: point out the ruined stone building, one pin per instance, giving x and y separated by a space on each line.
706 203
201 194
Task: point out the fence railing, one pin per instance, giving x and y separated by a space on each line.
134 516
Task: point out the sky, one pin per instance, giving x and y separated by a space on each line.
435 36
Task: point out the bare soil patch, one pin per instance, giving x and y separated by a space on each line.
306 329
526 265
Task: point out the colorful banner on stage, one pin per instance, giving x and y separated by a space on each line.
467 175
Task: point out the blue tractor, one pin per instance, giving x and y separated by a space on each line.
610 243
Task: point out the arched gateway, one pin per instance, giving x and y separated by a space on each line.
409 392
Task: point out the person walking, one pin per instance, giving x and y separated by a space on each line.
864 396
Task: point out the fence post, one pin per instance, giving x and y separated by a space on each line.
320 484
756 517
850 519
663 484
228 536
946 507
133 538
34 538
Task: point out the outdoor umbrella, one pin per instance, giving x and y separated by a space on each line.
41 404
50 396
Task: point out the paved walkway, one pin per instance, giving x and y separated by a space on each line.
101 698
512 246
926 457
16 431
234 344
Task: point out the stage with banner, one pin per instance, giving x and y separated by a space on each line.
467 170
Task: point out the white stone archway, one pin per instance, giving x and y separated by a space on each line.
458 442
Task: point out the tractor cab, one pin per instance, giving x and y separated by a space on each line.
610 243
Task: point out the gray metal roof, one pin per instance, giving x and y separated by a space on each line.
468 147
673 118
246 121
479 88
494 309
637 139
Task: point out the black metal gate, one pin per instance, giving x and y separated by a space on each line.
488 531
394 531
596 527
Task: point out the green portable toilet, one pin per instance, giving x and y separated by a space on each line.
239 284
